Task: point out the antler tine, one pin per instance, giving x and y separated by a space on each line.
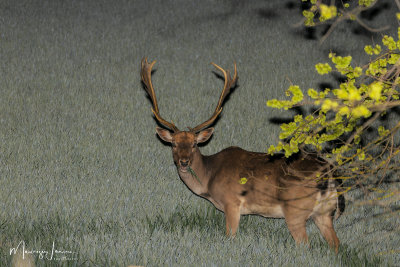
229 83
146 78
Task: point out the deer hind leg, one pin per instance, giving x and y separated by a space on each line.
232 218
325 225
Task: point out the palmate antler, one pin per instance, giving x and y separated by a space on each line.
146 78
229 83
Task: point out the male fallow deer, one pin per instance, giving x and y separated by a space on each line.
273 186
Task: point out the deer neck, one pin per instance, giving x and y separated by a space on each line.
197 180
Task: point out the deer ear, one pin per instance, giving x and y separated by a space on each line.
164 134
204 135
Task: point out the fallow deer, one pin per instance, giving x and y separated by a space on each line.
240 182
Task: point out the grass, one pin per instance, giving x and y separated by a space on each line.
80 164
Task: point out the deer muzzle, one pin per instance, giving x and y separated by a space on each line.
183 165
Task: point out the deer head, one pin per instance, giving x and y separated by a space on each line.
184 143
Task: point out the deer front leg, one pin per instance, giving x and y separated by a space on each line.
232 218
296 222
297 229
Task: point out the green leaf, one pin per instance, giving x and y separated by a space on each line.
357 72
308 14
370 50
389 42
393 58
323 68
274 103
382 131
398 34
312 93
193 174
377 67
271 150
298 118
297 94
341 62
365 3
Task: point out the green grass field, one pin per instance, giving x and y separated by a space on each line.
81 166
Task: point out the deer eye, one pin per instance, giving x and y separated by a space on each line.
194 145
173 144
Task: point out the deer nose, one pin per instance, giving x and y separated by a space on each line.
184 162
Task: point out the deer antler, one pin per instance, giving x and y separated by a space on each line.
229 82
146 79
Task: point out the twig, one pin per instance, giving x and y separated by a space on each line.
349 15
397 3
362 128
385 106
371 29
326 35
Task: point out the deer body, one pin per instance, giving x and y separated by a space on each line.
257 196
240 182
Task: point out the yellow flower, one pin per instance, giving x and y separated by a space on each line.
375 90
361 154
354 95
327 12
344 111
341 93
361 111
328 104
243 180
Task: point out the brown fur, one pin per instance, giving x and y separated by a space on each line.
276 187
